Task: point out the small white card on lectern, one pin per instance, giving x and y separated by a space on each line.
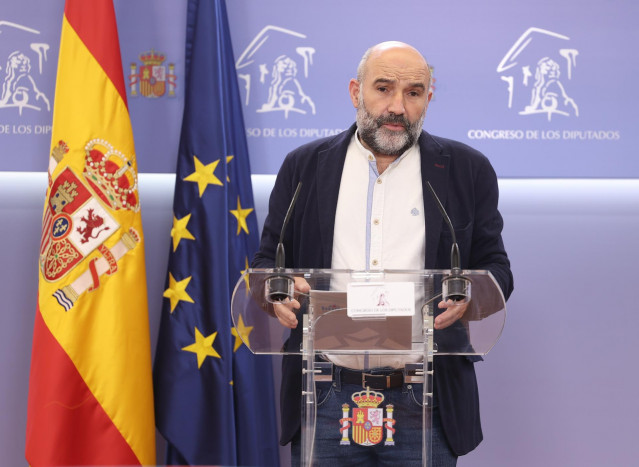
380 299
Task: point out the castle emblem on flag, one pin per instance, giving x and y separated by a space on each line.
153 79
80 216
368 420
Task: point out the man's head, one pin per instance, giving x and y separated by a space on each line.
391 94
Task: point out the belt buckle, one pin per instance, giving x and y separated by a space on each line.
365 386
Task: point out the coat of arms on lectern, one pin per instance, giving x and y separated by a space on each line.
368 421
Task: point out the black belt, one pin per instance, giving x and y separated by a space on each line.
394 379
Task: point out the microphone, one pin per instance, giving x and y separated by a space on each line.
281 286
455 287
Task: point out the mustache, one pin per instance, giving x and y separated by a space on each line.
392 119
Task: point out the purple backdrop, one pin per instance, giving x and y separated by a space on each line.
542 88
556 101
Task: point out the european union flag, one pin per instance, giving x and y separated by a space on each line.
214 399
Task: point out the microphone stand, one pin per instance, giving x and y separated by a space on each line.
455 286
281 286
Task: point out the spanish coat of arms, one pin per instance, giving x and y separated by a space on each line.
368 422
80 216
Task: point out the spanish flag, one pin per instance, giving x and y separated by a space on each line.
90 390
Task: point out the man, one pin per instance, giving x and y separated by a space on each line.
364 205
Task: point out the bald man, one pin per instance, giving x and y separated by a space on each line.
364 205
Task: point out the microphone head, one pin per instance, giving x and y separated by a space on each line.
456 287
279 287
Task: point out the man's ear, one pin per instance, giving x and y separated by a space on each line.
354 90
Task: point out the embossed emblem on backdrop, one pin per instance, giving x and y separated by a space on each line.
23 58
538 72
273 69
152 78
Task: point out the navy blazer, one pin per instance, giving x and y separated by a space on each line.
466 184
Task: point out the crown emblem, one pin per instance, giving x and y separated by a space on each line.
112 175
152 57
59 151
367 398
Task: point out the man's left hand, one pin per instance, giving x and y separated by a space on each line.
454 311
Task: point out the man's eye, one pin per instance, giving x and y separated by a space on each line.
382 89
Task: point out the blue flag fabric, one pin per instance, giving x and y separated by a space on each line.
214 399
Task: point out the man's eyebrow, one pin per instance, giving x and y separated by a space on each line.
416 84
384 81
419 85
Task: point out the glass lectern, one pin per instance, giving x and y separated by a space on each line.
365 320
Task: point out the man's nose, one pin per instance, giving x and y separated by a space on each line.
396 105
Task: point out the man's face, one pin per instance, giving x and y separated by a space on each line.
392 100
388 134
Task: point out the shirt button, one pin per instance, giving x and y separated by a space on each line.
371 158
376 221
379 181
374 262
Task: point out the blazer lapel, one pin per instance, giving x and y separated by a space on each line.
330 165
435 169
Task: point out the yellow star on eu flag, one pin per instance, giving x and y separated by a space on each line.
241 215
204 175
202 347
228 160
177 291
241 333
246 276
179 230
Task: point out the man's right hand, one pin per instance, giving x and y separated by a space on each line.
286 310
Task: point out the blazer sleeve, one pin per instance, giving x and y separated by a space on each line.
488 251
280 199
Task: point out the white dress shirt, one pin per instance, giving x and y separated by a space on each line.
379 224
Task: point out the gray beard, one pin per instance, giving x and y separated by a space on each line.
383 141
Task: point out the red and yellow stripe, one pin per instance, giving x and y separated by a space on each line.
90 390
